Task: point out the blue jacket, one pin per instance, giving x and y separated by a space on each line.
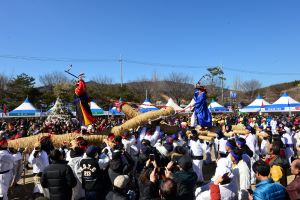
268 190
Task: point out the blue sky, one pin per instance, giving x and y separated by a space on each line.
259 36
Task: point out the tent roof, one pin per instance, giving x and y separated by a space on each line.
114 111
257 105
25 108
172 104
284 103
147 106
94 106
215 106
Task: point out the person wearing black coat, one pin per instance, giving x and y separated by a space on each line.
58 177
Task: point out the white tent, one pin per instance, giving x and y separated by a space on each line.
146 106
216 107
25 109
259 104
96 110
284 104
172 104
190 106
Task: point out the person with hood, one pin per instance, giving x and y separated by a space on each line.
6 168
185 177
58 177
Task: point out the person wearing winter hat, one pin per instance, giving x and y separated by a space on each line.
74 162
120 188
92 175
6 168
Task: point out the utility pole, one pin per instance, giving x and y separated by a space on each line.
121 69
222 83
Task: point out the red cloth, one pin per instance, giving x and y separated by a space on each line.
3 141
215 192
80 87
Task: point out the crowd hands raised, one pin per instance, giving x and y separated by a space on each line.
149 164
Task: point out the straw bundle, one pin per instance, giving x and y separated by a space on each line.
207 138
58 140
142 119
129 111
240 129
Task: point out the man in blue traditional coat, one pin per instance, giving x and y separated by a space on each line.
201 115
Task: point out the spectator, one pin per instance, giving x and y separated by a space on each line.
185 177
266 189
119 191
92 175
58 177
6 168
241 173
293 188
278 165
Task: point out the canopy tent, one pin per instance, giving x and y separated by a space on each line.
189 108
258 105
96 110
146 106
172 104
25 109
114 111
216 107
284 104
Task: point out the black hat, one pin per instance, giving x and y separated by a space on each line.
185 162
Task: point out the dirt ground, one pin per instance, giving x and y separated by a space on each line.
22 192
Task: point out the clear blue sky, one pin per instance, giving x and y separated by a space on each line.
251 35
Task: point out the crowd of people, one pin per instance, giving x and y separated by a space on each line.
149 164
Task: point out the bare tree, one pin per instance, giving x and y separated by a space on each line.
53 78
178 86
103 80
237 84
250 87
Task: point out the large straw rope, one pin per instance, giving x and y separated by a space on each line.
58 140
143 118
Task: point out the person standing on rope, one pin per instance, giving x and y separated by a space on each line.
83 111
201 115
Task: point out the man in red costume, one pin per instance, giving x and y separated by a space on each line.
83 111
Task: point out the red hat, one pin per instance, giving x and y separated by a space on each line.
3 141
111 137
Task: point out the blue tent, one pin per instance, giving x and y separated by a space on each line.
147 106
25 109
284 104
258 105
216 107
